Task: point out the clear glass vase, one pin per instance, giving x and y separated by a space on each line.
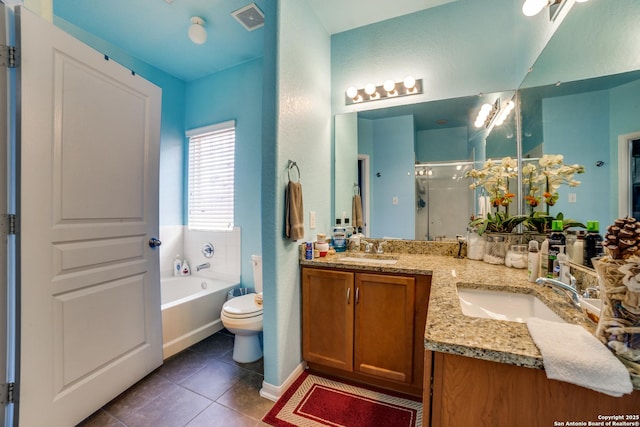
619 322
475 245
494 249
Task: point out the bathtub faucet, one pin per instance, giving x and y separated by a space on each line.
203 266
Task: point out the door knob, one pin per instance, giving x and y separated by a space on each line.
154 243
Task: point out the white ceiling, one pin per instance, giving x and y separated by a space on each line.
342 15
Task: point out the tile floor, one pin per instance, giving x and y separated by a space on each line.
200 386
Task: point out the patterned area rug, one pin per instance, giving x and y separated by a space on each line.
316 401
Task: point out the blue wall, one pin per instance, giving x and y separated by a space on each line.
577 126
235 93
301 131
585 127
459 48
393 158
625 118
442 145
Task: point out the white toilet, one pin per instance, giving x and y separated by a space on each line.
242 316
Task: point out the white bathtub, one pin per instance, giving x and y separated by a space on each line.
191 308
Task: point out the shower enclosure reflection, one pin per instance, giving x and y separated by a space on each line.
444 201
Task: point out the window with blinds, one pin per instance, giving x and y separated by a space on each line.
211 171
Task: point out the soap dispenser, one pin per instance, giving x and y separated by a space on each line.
185 270
565 268
177 266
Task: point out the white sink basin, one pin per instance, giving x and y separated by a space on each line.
510 306
369 260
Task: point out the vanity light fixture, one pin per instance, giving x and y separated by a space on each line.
495 113
389 89
486 114
533 7
504 113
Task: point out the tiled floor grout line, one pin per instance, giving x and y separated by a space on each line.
208 354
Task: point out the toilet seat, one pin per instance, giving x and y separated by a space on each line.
242 307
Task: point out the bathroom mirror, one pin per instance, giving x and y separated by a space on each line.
597 39
581 100
417 156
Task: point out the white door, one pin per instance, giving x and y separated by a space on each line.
90 321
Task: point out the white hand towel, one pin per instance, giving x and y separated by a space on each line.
573 355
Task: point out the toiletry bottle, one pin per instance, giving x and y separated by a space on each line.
592 242
557 263
339 237
577 257
544 258
533 261
184 268
348 228
177 264
556 239
565 268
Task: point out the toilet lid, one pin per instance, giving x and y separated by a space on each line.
242 307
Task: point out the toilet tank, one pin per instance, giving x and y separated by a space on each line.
256 261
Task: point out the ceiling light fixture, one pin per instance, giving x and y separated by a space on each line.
371 92
197 32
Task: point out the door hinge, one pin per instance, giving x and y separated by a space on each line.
8 56
7 393
8 223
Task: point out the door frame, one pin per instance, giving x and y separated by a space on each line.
7 210
624 175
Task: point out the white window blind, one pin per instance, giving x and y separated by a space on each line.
211 171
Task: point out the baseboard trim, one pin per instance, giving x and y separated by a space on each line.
272 392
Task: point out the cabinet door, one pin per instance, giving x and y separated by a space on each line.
327 317
384 326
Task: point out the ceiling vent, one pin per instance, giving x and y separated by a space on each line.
250 16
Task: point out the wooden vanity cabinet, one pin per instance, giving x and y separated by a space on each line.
365 327
469 391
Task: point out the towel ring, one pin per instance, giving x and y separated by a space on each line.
356 190
293 164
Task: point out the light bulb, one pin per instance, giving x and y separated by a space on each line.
533 7
197 33
409 82
389 85
370 89
352 92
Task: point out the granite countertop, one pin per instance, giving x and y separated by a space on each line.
447 329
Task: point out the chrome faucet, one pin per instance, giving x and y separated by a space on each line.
380 250
368 247
569 290
203 266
